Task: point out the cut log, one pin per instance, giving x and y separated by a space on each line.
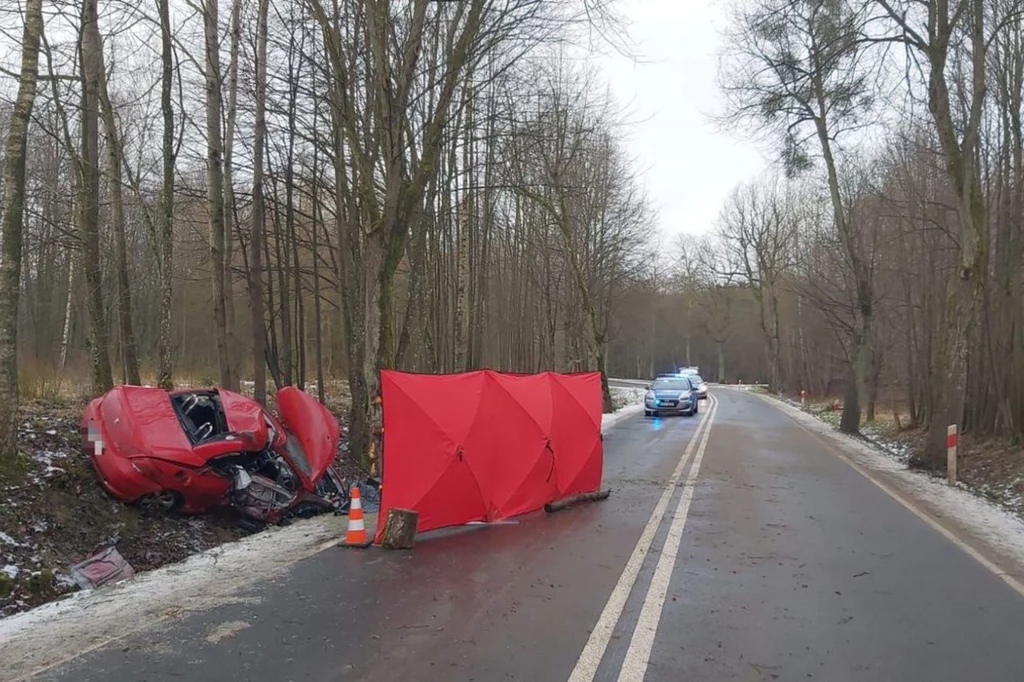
400 529
566 502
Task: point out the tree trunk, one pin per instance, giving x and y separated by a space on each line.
69 308
234 357
165 375
317 315
215 188
89 195
256 236
13 222
124 296
721 362
953 372
874 376
462 285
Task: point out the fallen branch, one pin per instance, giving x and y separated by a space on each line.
566 502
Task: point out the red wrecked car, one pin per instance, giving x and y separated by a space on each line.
192 450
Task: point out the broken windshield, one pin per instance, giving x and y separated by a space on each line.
297 456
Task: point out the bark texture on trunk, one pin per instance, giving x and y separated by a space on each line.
215 187
89 196
256 236
13 223
114 170
165 371
234 356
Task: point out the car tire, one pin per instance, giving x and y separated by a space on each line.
648 413
161 502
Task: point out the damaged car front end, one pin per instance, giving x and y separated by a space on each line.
191 451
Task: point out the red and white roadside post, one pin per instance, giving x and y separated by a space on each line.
803 397
952 440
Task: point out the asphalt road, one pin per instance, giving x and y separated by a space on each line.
770 559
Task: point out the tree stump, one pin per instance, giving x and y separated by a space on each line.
400 529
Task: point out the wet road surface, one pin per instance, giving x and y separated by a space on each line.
770 558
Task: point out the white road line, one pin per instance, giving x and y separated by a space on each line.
597 644
634 667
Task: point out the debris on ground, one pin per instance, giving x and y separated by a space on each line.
104 567
369 491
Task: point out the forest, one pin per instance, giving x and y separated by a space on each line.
276 192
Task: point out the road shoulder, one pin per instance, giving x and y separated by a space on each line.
86 621
991 535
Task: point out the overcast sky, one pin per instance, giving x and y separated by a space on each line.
688 164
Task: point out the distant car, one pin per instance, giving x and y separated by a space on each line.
699 386
670 395
193 450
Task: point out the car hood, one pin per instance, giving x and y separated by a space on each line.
669 393
313 428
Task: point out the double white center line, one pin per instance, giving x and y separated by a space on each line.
639 653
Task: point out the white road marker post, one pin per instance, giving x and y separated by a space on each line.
803 398
952 440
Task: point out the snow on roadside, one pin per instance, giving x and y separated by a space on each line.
993 525
627 401
86 619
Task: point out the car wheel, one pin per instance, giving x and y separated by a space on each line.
162 502
647 413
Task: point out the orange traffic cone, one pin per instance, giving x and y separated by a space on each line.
355 536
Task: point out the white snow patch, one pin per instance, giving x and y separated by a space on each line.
11 570
608 421
628 401
86 620
991 525
8 540
46 460
623 396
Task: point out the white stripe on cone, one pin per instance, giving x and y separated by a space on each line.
356 524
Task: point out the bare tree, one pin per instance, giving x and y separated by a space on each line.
165 260
13 225
947 31
758 235
89 195
115 180
256 234
215 186
796 70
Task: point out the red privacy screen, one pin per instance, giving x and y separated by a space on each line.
484 445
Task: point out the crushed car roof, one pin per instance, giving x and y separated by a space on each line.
142 422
